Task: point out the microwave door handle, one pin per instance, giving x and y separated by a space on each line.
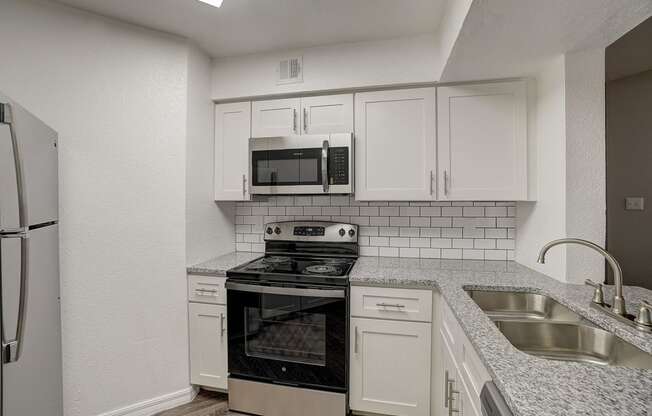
324 165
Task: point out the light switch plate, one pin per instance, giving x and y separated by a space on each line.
634 203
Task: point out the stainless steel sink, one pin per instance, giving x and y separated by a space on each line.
573 342
521 305
538 325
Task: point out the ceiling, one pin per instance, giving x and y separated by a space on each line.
630 54
249 26
513 38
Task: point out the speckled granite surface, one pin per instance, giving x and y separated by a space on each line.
530 385
219 265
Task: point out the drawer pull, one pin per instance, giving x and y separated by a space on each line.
390 305
355 344
222 329
203 292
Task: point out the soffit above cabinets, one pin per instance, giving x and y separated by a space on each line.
249 26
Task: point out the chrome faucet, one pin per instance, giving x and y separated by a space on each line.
618 305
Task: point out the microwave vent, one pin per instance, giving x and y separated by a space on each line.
290 70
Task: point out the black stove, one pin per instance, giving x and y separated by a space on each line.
304 252
287 315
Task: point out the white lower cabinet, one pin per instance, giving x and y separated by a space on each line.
390 359
208 345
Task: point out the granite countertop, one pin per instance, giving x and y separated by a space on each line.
218 266
530 385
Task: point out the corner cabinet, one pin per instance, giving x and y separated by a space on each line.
207 330
232 132
482 141
395 145
390 358
308 115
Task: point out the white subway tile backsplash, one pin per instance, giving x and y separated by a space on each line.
388 231
408 252
409 211
399 221
389 211
369 211
379 221
399 242
482 230
388 251
408 232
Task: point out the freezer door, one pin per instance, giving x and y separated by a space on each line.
9 200
32 385
37 155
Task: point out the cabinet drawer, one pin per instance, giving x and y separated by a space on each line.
206 289
399 304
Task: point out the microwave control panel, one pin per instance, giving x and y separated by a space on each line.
338 165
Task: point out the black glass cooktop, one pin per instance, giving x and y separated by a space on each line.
296 265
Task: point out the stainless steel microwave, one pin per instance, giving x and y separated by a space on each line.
308 164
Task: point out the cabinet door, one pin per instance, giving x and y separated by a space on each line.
208 345
450 382
395 144
482 141
273 118
390 367
232 132
327 114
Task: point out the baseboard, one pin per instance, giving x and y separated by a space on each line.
156 404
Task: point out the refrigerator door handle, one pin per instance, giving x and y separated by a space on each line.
6 117
11 349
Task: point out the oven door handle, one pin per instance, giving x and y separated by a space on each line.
290 291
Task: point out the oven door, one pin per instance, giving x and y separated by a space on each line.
312 164
288 334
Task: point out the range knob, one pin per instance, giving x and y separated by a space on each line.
351 232
277 230
269 230
342 232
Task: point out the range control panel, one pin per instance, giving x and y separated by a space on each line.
318 231
312 231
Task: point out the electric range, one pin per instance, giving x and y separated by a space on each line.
287 316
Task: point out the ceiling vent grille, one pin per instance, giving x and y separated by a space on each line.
290 70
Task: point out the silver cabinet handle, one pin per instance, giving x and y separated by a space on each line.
355 343
445 182
305 120
431 180
324 165
448 399
222 329
446 385
390 305
202 292
294 120
244 186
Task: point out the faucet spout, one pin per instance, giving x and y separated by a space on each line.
618 306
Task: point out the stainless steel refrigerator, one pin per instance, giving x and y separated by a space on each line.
29 265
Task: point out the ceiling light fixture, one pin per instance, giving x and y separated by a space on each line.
214 3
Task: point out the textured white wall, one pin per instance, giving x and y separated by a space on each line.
545 220
210 229
117 96
349 65
585 161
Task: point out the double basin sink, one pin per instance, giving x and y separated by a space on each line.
540 326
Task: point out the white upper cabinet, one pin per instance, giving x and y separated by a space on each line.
395 145
482 141
327 114
308 115
232 132
273 118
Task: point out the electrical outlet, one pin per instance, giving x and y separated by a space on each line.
634 203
